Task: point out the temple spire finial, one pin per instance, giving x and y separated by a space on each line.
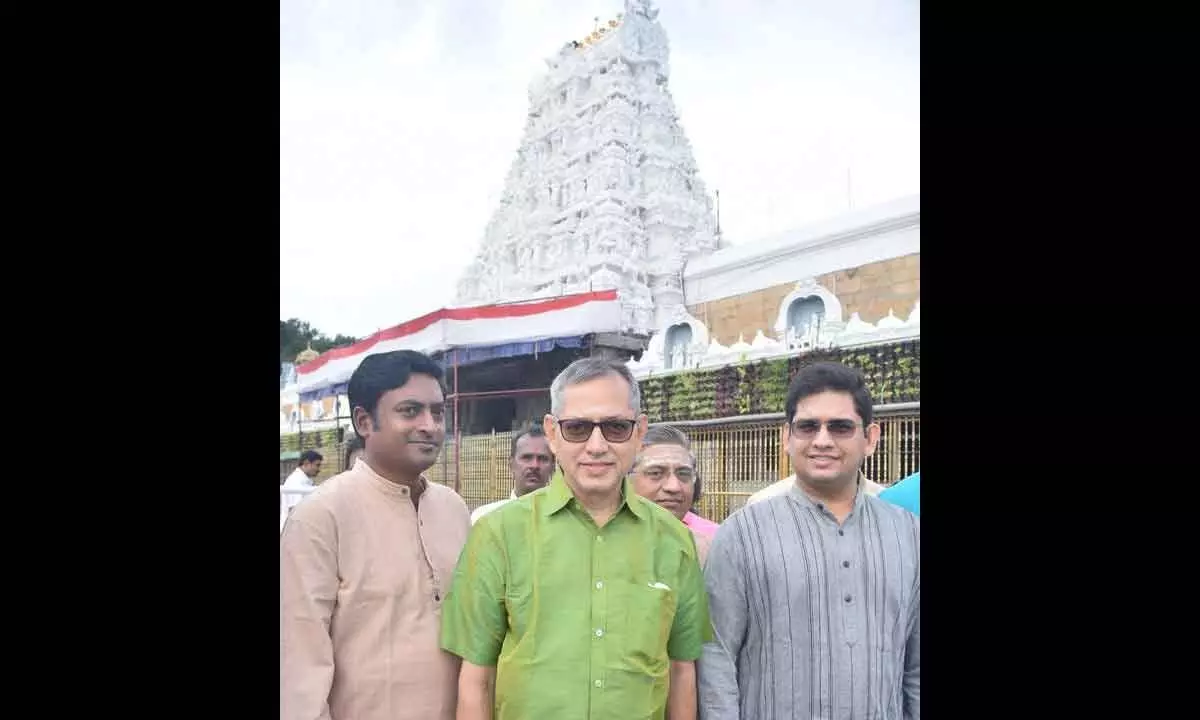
307 355
641 7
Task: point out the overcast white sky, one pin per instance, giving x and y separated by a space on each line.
398 120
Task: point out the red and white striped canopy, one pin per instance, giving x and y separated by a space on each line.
483 325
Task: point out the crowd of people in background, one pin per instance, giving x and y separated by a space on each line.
595 590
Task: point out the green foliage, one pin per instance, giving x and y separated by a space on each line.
295 335
743 395
313 440
892 371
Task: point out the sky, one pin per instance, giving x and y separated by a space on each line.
398 120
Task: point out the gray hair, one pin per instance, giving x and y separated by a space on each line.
665 435
671 435
591 368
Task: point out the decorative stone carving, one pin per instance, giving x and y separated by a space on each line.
891 322
605 279
857 330
831 323
684 356
704 352
763 346
641 7
716 354
603 170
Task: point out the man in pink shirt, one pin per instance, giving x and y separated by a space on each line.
665 473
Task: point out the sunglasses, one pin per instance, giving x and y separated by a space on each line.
577 430
841 429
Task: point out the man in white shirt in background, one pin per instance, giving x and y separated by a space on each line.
531 463
301 478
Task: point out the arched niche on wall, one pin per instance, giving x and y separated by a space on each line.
680 326
804 298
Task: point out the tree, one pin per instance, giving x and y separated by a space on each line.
295 335
321 344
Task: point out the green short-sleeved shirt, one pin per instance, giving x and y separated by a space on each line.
580 622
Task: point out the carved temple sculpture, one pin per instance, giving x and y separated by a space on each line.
604 190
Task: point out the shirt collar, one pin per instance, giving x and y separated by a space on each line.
387 486
802 497
559 495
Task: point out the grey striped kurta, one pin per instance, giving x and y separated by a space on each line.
814 621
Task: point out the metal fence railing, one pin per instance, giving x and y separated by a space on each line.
898 453
483 473
735 457
735 460
738 457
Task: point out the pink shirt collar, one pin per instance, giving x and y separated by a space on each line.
707 528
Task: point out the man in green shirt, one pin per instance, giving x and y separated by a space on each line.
582 600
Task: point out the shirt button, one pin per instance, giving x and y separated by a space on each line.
597 683
841 532
599 538
599 584
847 598
845 563
600 631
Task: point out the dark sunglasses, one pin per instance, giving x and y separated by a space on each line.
577 431
837 428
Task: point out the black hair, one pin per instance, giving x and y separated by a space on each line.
353 445
309 456
531 431
383 372
829 377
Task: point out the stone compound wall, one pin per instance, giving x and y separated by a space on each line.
869 290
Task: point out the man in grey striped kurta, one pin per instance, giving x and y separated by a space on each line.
815 595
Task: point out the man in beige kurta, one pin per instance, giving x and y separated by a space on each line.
364 568
363 576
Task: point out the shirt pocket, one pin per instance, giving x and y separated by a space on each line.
647 612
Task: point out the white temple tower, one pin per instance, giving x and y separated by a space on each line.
604 191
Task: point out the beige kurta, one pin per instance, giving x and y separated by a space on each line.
362 577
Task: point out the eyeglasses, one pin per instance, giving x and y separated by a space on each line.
578 430
839 428
686 475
